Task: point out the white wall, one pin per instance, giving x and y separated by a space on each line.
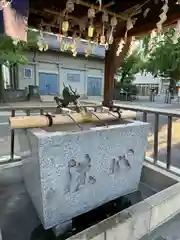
6 76
24 82
52 62
146 79
80 86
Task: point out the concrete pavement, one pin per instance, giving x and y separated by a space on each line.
141 101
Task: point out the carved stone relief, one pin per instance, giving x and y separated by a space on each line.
122 159
78 174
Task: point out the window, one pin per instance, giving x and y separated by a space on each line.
73 77
27 73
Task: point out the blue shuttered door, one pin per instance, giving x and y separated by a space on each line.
42 84
48 84
94 86
53 84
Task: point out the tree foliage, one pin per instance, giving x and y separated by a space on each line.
14 53
126 74
162 55
131 65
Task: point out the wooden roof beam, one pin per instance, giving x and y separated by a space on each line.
123 16
172 16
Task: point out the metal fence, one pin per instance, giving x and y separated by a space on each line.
28 110
157 113
144 110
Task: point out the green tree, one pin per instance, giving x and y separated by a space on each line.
132 64
162 56
12 54
126 74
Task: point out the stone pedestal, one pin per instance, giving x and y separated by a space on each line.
69 172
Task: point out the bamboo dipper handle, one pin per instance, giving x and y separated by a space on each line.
28 121
58 119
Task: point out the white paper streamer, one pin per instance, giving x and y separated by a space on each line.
129 25
120 47
177 33
163 15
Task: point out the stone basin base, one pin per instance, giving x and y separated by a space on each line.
70 171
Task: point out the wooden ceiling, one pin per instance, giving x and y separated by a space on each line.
48 14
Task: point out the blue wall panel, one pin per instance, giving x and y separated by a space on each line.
48 84
94 85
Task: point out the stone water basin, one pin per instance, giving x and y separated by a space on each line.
69 170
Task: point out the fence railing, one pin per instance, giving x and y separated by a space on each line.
157 112
28 110
144 110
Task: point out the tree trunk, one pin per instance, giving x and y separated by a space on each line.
13 77
112 63
2 93
172 85
16 82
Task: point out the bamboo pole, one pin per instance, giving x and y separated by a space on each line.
59 119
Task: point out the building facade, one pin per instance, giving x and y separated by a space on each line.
145 82
51 70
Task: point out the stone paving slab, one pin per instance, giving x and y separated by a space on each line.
169 231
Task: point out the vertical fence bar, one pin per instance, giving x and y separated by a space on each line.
169 139
145 120
144 117
28 112
12 138
41 111
156 131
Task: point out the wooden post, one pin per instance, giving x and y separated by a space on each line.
108 78
108 81
112 63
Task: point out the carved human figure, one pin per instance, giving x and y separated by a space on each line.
78 174
89 179
72 175
129 156
123 159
